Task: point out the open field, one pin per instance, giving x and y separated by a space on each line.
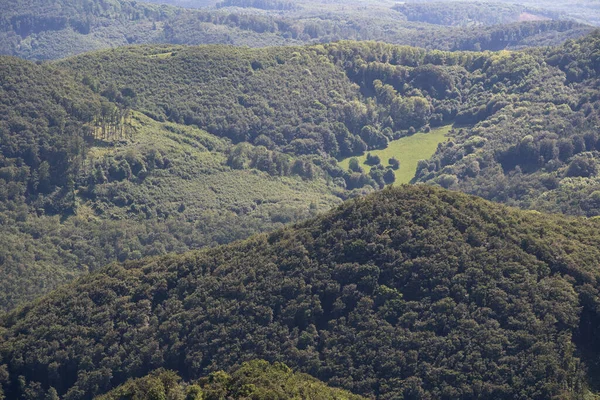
408 150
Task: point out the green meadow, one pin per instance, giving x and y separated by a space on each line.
408 150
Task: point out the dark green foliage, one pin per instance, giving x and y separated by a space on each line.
389 177
394 163
412 290
372 160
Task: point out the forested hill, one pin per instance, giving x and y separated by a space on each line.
253 380
525 121
411 292
51 29
86 180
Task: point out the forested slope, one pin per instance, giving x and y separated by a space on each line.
413 291
537 146
525 121
144 150
85 181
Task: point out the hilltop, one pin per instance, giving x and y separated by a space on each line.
410 291
256 379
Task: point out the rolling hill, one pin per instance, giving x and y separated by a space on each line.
412 291
42 29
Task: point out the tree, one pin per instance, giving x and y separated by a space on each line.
354 165
394 163
389 177
372 160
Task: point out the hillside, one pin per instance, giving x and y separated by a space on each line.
85 181
537 146
253 380
413 291
52 29
525 121
170 148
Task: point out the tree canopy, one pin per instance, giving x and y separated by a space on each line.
413 291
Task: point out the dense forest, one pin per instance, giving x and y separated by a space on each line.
42 29
411 292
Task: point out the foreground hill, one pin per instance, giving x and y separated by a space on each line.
253 380
410 292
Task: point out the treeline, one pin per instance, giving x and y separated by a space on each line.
415 291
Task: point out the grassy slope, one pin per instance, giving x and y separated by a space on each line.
200 181
408 150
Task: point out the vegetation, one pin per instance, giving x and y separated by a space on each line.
121 154
51 29
253 380
415 291
404 154
536 146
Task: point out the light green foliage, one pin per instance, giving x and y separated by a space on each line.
408 150
252 380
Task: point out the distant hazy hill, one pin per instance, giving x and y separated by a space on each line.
469 13
411 292
52 29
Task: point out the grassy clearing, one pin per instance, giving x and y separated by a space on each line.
199 180
409 150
